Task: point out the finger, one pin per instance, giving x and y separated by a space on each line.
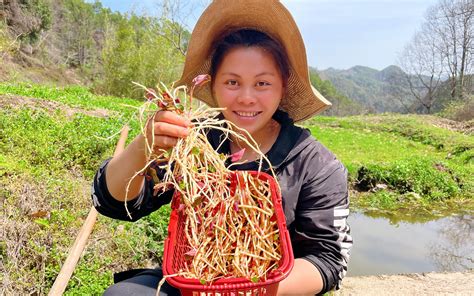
164 142
171 117
168 129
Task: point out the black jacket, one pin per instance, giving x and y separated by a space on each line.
314 193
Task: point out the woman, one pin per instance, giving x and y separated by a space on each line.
255 55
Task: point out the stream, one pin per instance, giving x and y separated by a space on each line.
385 247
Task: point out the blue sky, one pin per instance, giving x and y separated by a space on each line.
337 33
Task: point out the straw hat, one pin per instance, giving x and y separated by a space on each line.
271 17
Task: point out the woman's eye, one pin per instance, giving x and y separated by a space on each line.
232 82
262 83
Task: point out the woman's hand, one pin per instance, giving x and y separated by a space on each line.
165 128
163 131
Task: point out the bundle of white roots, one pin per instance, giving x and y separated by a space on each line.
230 223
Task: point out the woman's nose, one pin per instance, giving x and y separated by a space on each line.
246 96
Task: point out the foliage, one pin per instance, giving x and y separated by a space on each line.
137 52
81 21
422 176
61 144
417 129
47 159
36 18
460 110
439 55
108 50
7 43
48 156
73 96
377 91
408 154
42 9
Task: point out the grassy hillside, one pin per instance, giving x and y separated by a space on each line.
52 140
403 164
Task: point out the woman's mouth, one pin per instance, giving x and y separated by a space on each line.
247 114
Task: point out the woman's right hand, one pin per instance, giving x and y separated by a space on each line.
165 128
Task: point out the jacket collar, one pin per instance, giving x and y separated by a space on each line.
290 141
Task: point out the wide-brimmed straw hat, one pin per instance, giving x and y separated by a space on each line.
301 100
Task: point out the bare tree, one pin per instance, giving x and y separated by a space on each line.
452 23
422 64
176 16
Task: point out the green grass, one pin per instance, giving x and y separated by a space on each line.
47 160
74 96
356 147
48 156
406 153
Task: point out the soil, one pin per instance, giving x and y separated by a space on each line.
14 101
465 127
26 68
432 283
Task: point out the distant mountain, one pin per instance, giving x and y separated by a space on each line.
341 105
379 91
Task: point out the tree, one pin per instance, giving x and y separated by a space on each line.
423 64
440 56
26 20
174 15
136 52
107 49
452 23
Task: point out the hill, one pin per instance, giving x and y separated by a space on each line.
380 91
82 42
341 105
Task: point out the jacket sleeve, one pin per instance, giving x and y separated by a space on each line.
141 205
322 235
138 207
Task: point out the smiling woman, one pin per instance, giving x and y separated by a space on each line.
249 84
257 58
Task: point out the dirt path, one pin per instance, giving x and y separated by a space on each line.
456 283
17 102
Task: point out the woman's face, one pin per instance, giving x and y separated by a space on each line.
249 85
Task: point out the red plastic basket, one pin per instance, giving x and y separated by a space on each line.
176 246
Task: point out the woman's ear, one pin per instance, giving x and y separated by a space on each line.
213 93
284 90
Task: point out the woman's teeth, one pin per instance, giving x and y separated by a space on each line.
247 114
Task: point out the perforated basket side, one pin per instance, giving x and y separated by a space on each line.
176 246
181 245
267 290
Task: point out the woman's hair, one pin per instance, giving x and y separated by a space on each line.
250 38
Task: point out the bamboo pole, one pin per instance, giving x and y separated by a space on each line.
75 252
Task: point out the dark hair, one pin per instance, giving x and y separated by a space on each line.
250 38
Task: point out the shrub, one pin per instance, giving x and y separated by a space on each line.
460 110
432 180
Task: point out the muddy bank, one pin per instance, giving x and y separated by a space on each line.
433 283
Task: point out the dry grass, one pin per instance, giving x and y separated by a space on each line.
40 219
26 243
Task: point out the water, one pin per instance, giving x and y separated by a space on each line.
382 247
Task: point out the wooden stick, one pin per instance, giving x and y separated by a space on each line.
75 252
